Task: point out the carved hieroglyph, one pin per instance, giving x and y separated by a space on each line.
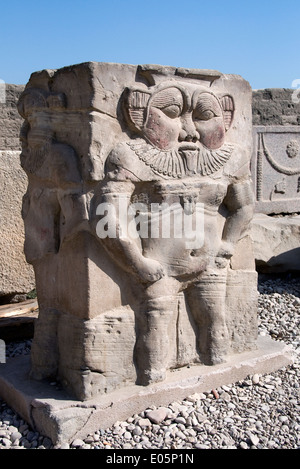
136 218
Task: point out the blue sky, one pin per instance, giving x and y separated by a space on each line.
259 40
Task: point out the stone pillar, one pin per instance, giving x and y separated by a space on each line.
136 221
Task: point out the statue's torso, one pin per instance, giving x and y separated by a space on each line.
179 219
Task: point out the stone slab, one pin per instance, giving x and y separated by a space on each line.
16 275
276 168
54 414
275 242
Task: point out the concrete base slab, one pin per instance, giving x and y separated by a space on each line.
54 414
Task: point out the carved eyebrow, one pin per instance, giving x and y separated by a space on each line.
208 102
167 97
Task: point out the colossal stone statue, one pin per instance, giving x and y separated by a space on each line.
136 219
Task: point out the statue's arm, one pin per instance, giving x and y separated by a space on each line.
113 209
240 205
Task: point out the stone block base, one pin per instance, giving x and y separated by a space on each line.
54 414
276 243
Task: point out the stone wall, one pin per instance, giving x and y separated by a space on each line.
276 151
10 120
275 107
16 276
275 164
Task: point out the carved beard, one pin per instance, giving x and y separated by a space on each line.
178 163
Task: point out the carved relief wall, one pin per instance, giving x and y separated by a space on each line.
276 169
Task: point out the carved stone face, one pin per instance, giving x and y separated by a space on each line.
292 149
184 118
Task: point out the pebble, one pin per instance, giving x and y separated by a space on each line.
144 423
201 446
255 378
243 445
77 443
261 411
15 436
6 442
254 439
158 415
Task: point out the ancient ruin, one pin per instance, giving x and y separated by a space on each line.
137 222
276 169
153 144
16 275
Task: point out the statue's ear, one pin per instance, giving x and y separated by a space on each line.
136 103
227 104
32 99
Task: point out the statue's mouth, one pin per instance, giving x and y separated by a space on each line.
188 146
189 152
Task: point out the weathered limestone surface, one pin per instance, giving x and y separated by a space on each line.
10 120
275 106
276 169
118 305
16 275
276 243
54 414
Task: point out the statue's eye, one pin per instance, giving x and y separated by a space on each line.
207 107
172 111
203 115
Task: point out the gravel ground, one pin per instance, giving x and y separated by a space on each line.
259 412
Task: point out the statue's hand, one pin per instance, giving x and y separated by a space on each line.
224 254
151 271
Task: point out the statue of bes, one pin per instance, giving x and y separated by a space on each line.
180 156
159 209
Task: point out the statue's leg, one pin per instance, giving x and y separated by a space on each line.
44 350
207 301
73 205
41 218
154 322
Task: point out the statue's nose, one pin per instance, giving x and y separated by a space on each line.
188 131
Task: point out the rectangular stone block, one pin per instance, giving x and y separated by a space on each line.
54 414
16 275
276 169
138 207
